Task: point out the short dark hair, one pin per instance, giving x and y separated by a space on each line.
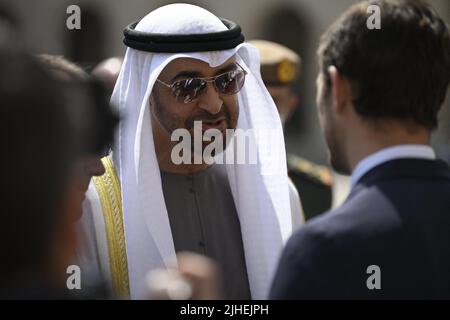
400 71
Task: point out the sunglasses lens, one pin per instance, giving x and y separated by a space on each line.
187 90
230 82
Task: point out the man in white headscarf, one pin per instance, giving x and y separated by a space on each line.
183 65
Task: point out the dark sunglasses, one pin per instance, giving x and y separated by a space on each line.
227 83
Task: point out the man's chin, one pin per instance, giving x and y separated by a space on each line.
210 148
339 167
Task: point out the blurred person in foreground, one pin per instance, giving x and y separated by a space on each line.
39 203
379 94
97 121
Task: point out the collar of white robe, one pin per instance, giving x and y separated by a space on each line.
175 43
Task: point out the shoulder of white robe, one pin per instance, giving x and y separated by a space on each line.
297 214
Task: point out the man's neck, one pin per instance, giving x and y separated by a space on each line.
169 166
371 142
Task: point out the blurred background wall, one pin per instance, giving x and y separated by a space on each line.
295 23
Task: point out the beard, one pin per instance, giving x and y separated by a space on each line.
337 161
204 116
336 152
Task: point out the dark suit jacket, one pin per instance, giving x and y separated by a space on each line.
396 217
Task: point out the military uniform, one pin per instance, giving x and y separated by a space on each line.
280 67
314 184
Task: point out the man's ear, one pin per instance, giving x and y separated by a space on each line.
341 90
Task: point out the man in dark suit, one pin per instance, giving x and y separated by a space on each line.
379 93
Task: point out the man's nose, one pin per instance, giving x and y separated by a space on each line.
210 100
94 166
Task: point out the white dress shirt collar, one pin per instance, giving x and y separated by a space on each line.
415 151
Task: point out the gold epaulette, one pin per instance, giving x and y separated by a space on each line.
108 189
321 174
